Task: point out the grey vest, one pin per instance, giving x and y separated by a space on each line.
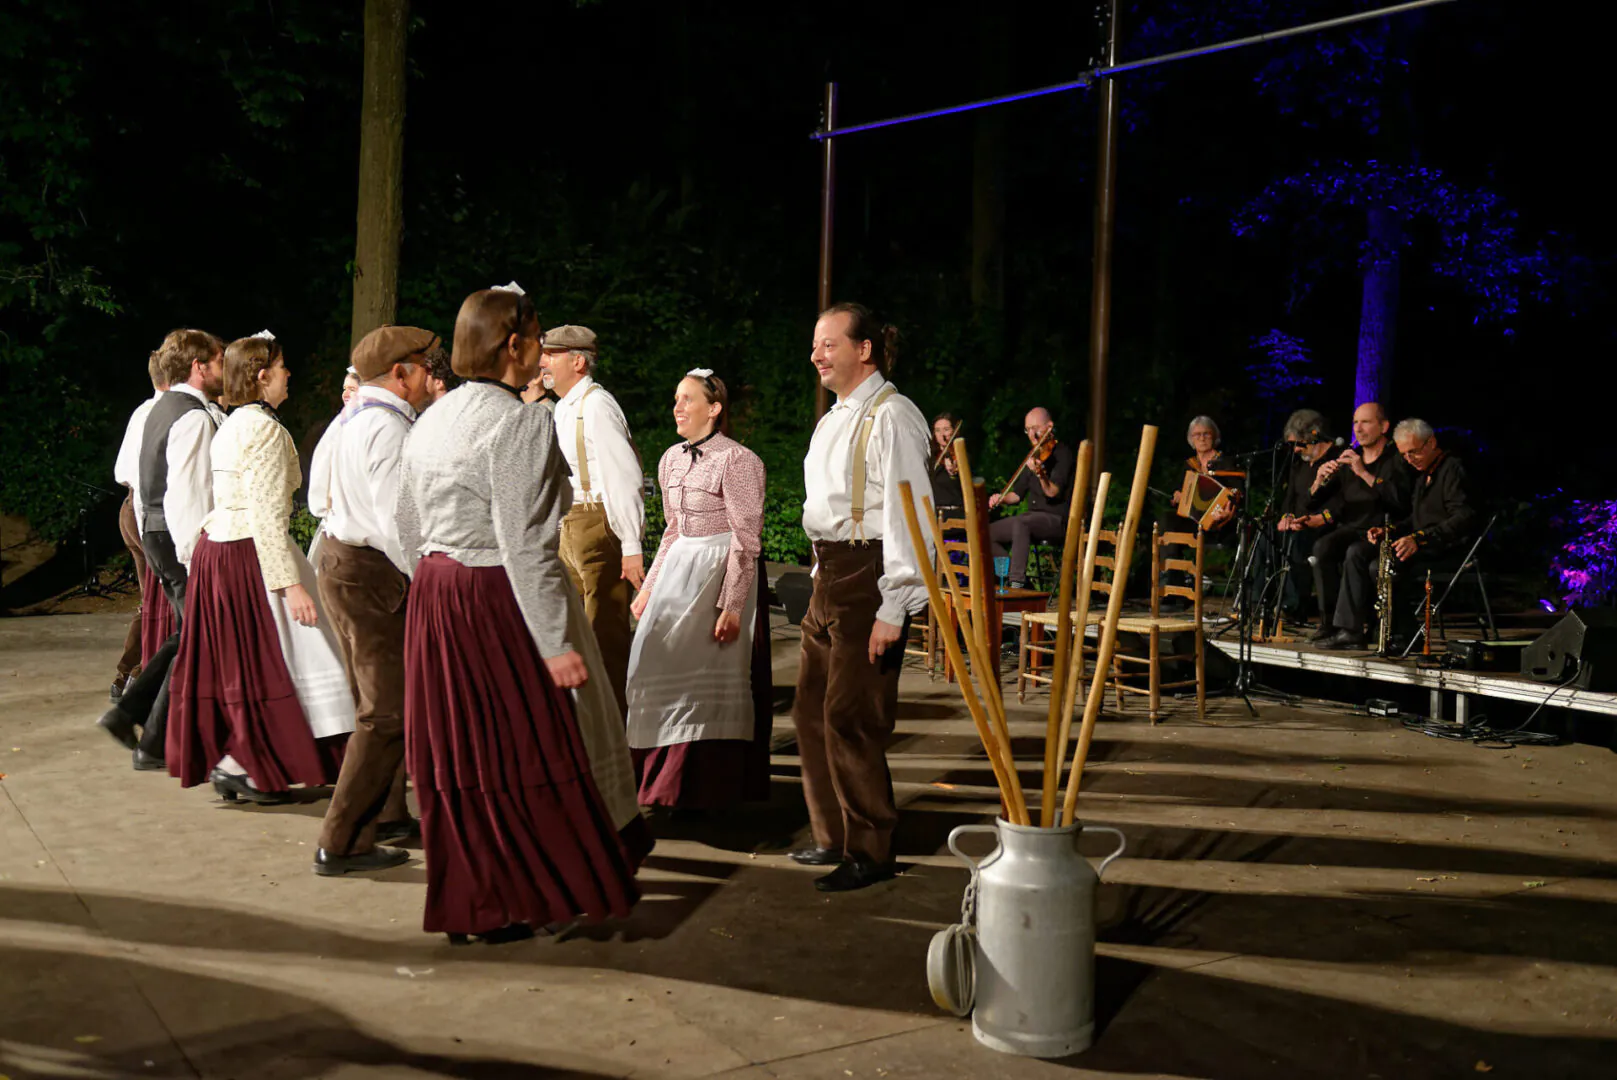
154 453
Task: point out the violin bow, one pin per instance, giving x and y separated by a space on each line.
1036 448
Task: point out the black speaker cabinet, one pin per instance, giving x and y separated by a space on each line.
1584 642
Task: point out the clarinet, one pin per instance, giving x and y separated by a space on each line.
1385 572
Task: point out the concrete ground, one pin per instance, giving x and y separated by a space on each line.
1306 894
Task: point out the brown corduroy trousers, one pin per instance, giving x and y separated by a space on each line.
593 556
364 596
846 706
129 663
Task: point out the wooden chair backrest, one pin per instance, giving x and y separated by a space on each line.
955 542
1176 553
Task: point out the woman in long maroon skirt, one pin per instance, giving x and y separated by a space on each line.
258 698
699 680
526 798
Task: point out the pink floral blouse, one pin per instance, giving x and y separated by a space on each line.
720 491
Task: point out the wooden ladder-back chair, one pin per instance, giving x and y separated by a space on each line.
999 601
1038 646
924 640
1164 566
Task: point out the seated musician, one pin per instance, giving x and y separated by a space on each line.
1045 483
1308 436
1365 486
1207 460
946 494
1442 518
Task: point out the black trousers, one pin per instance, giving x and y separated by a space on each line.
1329 555
145 699
1357 598
1020 532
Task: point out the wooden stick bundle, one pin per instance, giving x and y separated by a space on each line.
1114 611
1064 629
998 750
1086 586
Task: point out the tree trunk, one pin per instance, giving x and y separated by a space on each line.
1378 311
380 225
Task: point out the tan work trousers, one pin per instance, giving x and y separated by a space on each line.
594 558
846 706
364 596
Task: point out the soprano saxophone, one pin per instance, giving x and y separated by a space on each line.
1385 572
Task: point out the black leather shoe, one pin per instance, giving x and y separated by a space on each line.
504 935
117 690
145 762
815 856
232 788
855 874
1343 641
391 832
121 726
1325 631
377 858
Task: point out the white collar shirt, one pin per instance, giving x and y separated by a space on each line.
897 452
189 497
616 478
363 477
126 470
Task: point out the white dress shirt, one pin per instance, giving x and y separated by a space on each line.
899 441
189 497
320 468
363 478
126 470
616 478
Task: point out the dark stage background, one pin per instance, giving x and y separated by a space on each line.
646 169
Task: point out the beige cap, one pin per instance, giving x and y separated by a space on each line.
385 346
576 338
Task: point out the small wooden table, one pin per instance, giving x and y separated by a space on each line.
1019 600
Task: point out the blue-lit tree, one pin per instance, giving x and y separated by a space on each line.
1377 204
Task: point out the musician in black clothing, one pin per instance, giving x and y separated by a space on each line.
1299 526
946 493
1371 484
1442 518
1046 485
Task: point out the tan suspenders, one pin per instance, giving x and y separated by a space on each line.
861 445
583 458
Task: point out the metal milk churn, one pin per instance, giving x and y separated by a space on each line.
1022 961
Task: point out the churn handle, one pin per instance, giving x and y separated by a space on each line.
961 830
1122 842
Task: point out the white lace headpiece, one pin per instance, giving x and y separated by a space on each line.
700 372
511 287
265 334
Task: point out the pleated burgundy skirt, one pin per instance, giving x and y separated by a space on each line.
229 690
714 774
156 616
512 825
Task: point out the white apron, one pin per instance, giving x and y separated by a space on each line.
600 721
683 685
314 660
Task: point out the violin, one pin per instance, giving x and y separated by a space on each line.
1036 460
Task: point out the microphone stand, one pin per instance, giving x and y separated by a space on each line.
1251 608
92 581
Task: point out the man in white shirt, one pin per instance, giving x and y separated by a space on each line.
867 585
600 536
364 582
126 471
176 488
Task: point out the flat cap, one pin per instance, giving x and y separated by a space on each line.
385 346
577 338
